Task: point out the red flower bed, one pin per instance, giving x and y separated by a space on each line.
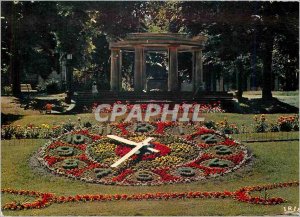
122 175
242 195
235 158
166 177
160 127
200 131
229 142
78 172
52 160
207 170
122 127
88 156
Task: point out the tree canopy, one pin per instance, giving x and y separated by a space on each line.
257 39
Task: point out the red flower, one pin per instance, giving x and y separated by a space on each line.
229 142
122 175
51 160
95 137
165 175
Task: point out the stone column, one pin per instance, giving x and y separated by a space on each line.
218 85
144 78
114 69
120 71
198 70
249 83
138 68
212 81
221 88
193 71
173 69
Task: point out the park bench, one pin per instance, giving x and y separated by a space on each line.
26 88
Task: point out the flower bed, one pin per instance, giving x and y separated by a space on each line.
87 156
243 195
214 107
45 131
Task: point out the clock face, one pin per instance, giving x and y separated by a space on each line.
143 155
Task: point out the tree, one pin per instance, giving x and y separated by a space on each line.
276 20
27 39
228 27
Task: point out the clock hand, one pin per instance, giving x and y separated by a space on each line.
120 139
128 142
146 142
126 156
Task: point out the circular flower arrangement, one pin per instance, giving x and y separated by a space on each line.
166 158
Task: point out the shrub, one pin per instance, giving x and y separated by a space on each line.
261 125
288 123
87 124
52 86
227 128
7 90
7 131
210 125
68 126
274 128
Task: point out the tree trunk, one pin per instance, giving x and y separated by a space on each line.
267 66
15 57
240 79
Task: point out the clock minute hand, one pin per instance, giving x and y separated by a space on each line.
120 139
126 156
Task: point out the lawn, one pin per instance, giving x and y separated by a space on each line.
239 119
274 162
289 97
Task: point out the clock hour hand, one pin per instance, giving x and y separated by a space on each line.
126 156
128 142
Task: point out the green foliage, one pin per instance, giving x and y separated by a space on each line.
261 124
70 164
218 163
65 151
210 125
186 171
102 172
36 36
52 86
7 90
223 150
144 176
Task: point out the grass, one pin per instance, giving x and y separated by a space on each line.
275 93
239 119
269 136
289 97
274 162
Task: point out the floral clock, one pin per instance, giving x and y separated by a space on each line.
144 155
